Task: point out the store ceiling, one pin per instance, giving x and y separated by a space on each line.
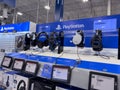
73 9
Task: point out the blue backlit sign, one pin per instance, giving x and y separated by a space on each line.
20 27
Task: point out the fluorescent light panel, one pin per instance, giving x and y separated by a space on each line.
19 13
47 7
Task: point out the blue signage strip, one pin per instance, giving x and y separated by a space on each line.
20 27
59 6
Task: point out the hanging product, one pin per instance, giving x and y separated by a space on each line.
78 39
42 39
53 40
27 41
61 42
96 41
33 39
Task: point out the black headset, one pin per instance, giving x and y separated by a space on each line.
7 82
53 40
19 87
33 39
27 41
42 39
96 41
19 41
78 39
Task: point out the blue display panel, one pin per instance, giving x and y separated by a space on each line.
20 27
107 25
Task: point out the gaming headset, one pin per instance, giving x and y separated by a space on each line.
42 40
96 41
78 39
27 41
33 39
23 87
53 40
19 41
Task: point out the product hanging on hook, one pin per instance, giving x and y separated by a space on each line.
27 41
96 41
33 39
78 39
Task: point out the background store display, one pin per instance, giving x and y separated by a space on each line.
61 73
42 39
31 67
18 64
78 39
96 41
7 62
27 41
100 81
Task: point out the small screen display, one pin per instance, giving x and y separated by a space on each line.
18 64
61 73
6 61
102 82
31 67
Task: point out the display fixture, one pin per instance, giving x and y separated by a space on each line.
31 67
102 81
7 62
18 64
78 39
61 73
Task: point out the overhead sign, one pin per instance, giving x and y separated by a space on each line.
59 6
20 27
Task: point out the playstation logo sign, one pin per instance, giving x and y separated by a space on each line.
58 27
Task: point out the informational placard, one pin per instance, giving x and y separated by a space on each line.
103 82
61 73
31 67
6 62
18 64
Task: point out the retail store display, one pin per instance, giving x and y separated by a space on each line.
27 41
53 40
33 39
18 64
41 84
96 41
42 39
61 73
100 81
61 42
7 62
78 39
31 67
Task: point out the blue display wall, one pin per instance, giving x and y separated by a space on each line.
19 27
108 24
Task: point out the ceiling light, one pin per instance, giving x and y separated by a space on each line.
1 16
19 13
47 7
85 0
